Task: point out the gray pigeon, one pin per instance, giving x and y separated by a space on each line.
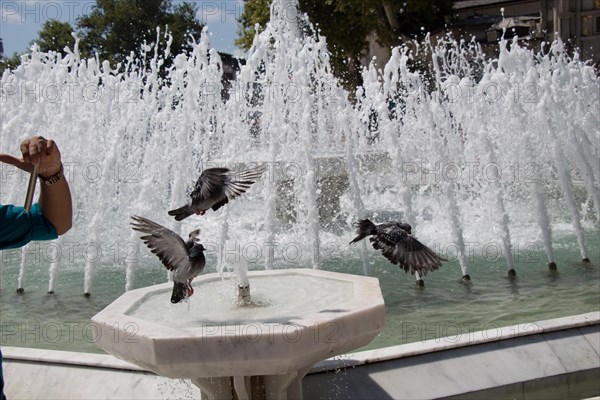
185 259
215 187
396 243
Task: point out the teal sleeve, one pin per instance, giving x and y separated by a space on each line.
17 228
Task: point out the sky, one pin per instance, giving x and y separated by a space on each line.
21 20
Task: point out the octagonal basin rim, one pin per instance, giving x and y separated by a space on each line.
119 312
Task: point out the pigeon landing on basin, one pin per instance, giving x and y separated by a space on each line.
396 243
215 187
185 259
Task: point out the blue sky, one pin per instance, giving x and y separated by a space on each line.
21 20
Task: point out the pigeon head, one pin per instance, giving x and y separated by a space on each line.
194 241
196 250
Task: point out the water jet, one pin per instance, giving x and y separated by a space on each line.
427 161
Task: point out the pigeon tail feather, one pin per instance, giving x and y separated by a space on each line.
181 213
364 228
179 292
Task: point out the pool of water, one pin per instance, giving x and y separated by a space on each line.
444 308
215 302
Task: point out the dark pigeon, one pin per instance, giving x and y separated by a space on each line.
396 243
185 259
215 187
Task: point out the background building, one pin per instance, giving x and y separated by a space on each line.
576 22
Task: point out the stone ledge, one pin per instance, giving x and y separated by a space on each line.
467 339
558 359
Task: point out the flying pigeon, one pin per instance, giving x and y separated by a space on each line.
185 259
215 187
396 243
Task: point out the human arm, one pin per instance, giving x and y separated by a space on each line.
55 198
17 227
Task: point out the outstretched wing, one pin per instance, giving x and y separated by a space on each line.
237 182
210 181
401 248
166 244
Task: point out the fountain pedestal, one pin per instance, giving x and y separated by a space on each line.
261 351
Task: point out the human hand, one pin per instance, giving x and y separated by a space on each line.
36 150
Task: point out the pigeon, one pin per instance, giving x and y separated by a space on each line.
396 243
215 187
185 259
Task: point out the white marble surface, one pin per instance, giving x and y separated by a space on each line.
34 380
434 345
574 352
67 357
243 349
469 370
592 336
522 363
565 356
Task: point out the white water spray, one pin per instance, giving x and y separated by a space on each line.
160 128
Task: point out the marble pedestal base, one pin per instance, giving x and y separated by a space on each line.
263 387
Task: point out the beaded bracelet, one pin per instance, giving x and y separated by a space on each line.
54 178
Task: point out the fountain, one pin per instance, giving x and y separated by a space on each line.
260 348
485 158
449 152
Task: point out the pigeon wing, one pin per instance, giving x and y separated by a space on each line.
387 237
237 183
210 181
166 244
220 204
401 248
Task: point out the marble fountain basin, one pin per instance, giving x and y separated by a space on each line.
296 318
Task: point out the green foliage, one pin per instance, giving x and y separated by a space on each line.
347 23
184 25
115 28
255 12
9 63
413 15
55 35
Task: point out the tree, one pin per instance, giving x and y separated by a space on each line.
255 12
346 36
347 23
413 17
114 28
9 63
55 35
